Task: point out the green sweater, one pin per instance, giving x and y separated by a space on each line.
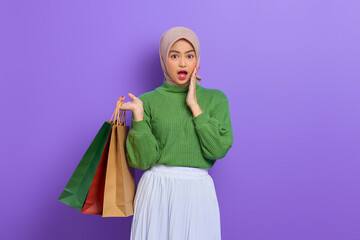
169 134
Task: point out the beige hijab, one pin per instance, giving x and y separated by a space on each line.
168 39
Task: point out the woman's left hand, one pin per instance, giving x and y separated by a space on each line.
191 100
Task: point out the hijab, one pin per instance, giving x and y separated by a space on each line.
168 39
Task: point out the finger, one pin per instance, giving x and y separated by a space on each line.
197 69
192 75
192 81
132 96
195 72
120 106
120 99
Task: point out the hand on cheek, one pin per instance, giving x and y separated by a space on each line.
191 100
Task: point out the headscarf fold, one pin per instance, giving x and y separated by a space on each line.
168 39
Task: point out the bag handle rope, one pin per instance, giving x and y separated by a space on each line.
119 116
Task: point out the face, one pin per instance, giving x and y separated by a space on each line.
181 61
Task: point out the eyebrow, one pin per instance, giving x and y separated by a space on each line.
179 52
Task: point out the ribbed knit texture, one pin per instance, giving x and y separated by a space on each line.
169 134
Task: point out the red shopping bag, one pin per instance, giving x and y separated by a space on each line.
95 197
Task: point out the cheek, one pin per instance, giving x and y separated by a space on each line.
192 64
171 67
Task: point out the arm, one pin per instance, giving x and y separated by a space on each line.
215 130
142 147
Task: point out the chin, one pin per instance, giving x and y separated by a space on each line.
181 82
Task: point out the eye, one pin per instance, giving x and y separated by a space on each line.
173 56
191 56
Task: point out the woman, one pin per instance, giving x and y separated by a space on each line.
177 133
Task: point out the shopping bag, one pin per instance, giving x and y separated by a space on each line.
77 188
120 186
95 197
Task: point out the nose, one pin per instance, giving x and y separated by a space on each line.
182 62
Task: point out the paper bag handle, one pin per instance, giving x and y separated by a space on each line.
119 116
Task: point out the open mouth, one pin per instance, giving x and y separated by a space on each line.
182 74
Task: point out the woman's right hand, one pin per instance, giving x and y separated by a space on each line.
136 106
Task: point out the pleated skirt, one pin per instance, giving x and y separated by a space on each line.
176 203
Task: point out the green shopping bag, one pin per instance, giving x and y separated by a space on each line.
78 186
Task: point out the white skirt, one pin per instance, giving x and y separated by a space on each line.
176 203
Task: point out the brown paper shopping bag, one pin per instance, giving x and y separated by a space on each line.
120 177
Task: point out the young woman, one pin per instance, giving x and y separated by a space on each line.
177 133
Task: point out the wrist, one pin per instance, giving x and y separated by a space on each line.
196 110
138 114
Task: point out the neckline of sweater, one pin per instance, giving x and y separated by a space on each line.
172 88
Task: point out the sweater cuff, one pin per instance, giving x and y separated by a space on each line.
201 119
139 126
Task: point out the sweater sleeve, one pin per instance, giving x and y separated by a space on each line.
142 148
215 131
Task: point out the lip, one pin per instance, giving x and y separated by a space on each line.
186 72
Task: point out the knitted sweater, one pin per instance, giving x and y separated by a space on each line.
169 134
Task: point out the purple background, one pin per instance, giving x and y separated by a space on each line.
289 68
